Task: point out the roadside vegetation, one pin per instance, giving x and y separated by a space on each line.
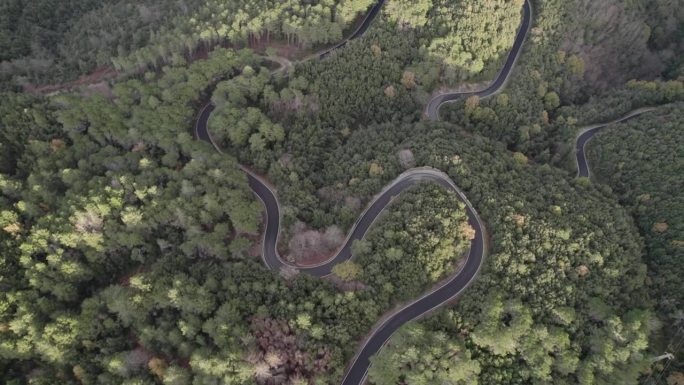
130 250
642 162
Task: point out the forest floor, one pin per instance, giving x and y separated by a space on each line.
314 259
96 79
282 49
308 247
100 74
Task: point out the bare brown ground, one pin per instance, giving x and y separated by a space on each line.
291 52
103 73
101 88
307 247
255 250
308 259
314 260
97 76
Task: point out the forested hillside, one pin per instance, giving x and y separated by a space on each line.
95 192
554 92
131 251
43 41
167 327
619 41
131 35
643 162
549 244
127 249
464 38
36 28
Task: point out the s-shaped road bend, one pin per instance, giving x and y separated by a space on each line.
432 108
447 290
588 132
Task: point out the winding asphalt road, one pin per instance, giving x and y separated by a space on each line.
359 31
447 290
432 108
588 132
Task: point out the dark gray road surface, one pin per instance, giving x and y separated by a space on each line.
367 21
589 132
432 109
429 301
358 369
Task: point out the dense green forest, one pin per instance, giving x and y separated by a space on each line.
127 249
642 162
40 23
130 36
554 93
130 251
146 321
558 237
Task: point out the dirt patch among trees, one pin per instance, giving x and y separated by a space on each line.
97 76
307 246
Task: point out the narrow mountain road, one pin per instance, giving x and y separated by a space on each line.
358 32
588 132
357 371
427 302
432 108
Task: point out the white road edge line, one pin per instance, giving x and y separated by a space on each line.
582 130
